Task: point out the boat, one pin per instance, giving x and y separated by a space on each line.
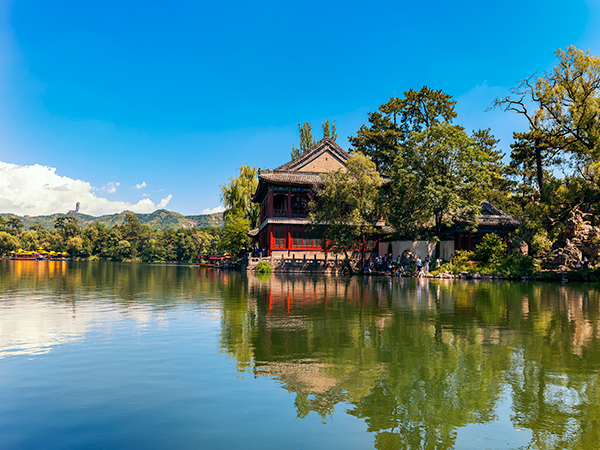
38 255
26 255
208 262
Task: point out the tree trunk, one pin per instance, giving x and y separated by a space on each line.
438 233
539 168
362 253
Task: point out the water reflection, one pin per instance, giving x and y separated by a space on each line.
418 361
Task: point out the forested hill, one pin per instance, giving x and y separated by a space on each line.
159 220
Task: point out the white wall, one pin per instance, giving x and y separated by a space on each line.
419 248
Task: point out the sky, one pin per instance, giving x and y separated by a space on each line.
141 105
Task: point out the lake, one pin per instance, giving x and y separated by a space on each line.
102 355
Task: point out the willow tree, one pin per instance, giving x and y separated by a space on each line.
237 195
346 206
241 214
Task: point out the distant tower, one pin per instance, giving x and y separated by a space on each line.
76 210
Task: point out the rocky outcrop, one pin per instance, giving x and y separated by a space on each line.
579 239
563 258
408 259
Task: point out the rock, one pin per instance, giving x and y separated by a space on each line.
563 258
520 245
582 235
408 258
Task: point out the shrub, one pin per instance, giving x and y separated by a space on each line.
263 267
540 244
491 252
518 265
462 260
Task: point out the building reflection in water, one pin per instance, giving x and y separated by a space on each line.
417 360
420 359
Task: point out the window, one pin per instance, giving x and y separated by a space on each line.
279 236
304 239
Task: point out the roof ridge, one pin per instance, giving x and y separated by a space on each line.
324 143
493 208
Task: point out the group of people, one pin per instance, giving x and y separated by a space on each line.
424 266
259 252
387 264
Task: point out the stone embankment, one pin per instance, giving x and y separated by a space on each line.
331 266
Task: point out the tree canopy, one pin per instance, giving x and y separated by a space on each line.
441 173
307 140
390 127
347 205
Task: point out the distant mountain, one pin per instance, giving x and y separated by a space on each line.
159 220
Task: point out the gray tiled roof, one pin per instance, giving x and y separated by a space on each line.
492 215
321 146
297 178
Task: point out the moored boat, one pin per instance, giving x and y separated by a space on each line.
208 262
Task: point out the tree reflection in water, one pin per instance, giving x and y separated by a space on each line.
417 360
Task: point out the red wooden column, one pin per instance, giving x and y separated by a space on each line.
288 240
271 240
289 203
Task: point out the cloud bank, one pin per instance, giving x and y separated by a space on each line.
38 190
217 209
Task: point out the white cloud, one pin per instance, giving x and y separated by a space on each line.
165 201
110 188
140 186
36 190
218 209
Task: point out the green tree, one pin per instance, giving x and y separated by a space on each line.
237 195
502 187
131 231
122 250
563 125
8 243
346 207
241 214
235 233
390 127
15 224
440 174
66 226
29 240
492 251
307 140
76 246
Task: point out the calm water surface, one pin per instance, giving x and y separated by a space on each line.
115 356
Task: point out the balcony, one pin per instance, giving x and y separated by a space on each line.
299 212
280 212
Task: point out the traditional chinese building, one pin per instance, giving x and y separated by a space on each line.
491 220
456 237
284 193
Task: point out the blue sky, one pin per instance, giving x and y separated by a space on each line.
142 104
